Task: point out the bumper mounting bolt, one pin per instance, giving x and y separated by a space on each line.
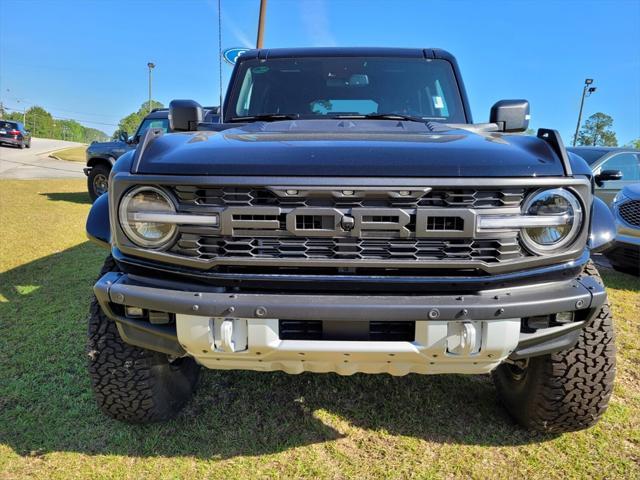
434 313
500 311
464 312
580 304
261 312
195 308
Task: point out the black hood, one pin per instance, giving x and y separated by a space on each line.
348 148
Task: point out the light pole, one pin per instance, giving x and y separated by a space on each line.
151 66
587 90
263 12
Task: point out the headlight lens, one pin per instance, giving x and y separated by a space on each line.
146 233
552 202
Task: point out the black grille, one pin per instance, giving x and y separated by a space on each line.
630 212
261 196
210 247
397 331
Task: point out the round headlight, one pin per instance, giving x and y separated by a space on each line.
135 206
551 203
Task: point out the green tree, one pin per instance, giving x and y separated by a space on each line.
635 143
597 131
130 123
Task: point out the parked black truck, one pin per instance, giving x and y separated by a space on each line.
102 155
348 216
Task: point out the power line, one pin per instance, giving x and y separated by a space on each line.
63 118
52 107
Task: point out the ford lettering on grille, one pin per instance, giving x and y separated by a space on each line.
354 222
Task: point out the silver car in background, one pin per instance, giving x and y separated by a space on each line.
614 168
625 254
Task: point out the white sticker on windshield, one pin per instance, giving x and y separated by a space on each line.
437 102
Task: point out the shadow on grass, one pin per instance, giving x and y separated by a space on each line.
46 403
73 197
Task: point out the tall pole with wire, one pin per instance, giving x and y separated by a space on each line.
220 56
151 66
263 13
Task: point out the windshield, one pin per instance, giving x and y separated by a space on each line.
162 123
326 87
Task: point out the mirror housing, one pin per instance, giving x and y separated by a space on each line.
123 136
185 115
607 175
511 115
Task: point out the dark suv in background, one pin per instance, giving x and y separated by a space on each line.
14 133
102 155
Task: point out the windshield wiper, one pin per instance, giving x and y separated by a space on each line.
266 117
385 116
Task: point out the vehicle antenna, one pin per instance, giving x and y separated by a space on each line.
220 55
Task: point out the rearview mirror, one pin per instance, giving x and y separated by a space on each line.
123 136
511 115
185 115
607 176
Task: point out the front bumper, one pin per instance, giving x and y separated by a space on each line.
227 330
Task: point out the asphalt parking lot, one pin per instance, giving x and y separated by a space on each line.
34 162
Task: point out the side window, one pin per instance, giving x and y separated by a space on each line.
627 163
244 98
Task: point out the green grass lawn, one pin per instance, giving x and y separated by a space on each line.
246 424
73 154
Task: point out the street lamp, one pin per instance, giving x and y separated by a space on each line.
151 66
587 90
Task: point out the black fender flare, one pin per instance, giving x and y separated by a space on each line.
108 160
602 231
98 227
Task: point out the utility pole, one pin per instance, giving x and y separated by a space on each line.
263 13
587 90
151 66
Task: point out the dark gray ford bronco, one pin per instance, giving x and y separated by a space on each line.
348 216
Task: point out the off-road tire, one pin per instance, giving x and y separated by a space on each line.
99 170
568 390
21 146
130 383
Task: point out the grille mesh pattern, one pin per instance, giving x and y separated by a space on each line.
259 196
630 212
207 248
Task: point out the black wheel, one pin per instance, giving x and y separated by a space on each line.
29 144
21 145
130 383
98 181
567 390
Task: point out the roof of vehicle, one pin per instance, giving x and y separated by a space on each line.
13 122
346 52
164 112
594 154
602 149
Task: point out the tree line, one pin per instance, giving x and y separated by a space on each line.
42 124
129 123
597 130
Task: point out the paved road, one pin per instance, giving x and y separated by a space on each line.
34 162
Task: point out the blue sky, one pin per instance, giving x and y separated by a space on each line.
87 59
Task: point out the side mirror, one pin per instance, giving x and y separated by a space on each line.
185 115
607 175
511 115
123 136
